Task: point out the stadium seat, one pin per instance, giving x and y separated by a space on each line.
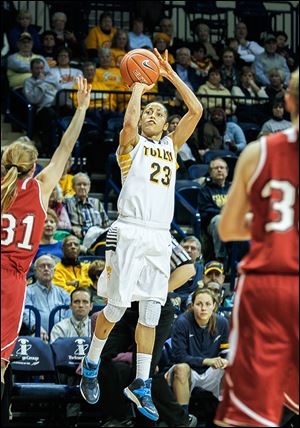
68 353
186 203
197 171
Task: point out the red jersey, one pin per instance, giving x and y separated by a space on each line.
274 198
22 227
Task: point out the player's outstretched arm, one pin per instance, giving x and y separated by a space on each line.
50 175
188 123
235 217
129 132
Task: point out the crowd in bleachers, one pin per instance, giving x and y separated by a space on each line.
241 84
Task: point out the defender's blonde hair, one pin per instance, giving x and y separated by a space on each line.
18 159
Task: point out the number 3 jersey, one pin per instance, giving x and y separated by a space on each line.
148 175
22 227
274 198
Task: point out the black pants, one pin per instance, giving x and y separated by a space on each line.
114 377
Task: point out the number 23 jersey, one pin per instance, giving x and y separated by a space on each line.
148 175
274 198
22 227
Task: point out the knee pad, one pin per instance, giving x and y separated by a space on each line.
113 313
149 313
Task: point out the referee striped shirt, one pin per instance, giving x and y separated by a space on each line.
179 256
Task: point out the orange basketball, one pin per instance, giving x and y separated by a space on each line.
139 65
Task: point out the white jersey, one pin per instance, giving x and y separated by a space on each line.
148 175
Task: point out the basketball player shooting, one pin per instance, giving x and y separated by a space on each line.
139 242
263 371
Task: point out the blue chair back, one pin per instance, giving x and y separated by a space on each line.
37 319
186 204
69 351
57 310
32 355
198 170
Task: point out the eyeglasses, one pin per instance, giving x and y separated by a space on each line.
218 167
189 247
45 265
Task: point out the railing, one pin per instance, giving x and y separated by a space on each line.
284 16
66 97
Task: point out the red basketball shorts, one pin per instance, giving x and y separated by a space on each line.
263 370
13 287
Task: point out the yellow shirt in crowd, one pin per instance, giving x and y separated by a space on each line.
97 39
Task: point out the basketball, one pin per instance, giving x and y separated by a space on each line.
139 65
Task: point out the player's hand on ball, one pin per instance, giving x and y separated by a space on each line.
146 88
165 68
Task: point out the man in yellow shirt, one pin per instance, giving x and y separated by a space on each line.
98 101
101 35
70 273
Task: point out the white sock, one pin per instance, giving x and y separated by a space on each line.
95 349
143 363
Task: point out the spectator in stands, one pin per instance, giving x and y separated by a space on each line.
284 50
270 59
188 153
212 197
63 72
277 122
70 273
18 64
65 181
84 211
111 76
79 324
202 33
229 71
66 37
48 47
275 89
56 204
95 270
100 103
23 25
200 60
161 42
218 134
44 295
192 246
107 73
214 87
40 89
119 47
199 348
166 26
100 36
48 244
247 50
251 112
184 70
137 39
213 272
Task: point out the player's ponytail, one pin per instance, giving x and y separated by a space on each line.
18 159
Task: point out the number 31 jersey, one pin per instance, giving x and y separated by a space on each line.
274 198
148 175
22 226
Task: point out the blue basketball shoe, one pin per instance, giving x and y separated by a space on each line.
139 392
89 386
